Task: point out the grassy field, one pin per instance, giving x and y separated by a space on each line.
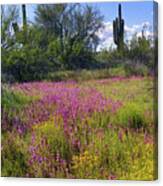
94 129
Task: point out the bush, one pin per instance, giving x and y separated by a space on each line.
136 69
118 71
7 78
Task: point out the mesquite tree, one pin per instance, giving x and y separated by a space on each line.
70 23
118 30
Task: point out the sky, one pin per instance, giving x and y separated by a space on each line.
136 15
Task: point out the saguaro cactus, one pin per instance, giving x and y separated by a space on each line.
24 16
118 29
24 20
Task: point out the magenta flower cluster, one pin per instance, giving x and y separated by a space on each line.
65 100
42 162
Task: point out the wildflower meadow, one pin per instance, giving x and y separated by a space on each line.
100 129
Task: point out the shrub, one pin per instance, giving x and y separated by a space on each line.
118 71
7 78
136 69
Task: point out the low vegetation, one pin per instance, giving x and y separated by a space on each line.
81 130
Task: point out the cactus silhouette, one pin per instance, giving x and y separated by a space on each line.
24 15
118 29
24 20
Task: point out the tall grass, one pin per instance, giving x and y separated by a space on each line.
13 100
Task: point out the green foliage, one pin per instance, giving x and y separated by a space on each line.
85 166
13 100
14 155
118 72
130 115
70 23
137 56
27 62
112 58
51 43
7 78
136 69
55 138
74 43
120 155
63 37
83 75
141 53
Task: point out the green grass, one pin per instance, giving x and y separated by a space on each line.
136 96
12 99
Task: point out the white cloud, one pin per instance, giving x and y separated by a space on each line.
106 33
106 36
131 30
106 44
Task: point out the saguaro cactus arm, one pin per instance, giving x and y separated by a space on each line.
115 33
